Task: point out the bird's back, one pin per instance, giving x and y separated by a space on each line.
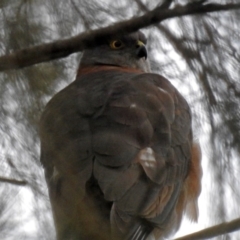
120 149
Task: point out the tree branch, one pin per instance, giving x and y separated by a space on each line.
214 231
13 181
62 48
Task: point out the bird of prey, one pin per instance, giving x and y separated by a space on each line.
117 148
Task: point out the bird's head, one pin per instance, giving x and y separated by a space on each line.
124 51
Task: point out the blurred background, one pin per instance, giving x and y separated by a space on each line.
199 54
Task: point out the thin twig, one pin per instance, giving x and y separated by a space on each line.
63 48
13 181
214 231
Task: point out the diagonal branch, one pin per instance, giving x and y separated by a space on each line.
63 48
214 231
13 181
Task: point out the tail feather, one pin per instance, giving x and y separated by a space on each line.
141 233
129 227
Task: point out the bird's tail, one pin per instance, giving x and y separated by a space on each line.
128 227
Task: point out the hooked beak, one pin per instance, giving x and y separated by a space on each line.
141 50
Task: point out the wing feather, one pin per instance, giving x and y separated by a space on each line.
130 138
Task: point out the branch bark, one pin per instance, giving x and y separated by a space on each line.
214 231
13 181
63 48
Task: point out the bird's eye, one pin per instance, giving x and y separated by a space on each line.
116 44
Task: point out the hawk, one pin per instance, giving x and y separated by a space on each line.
117 148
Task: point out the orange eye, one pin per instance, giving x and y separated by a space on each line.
116 44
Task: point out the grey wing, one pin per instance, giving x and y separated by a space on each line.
124 151
67 158
142 152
